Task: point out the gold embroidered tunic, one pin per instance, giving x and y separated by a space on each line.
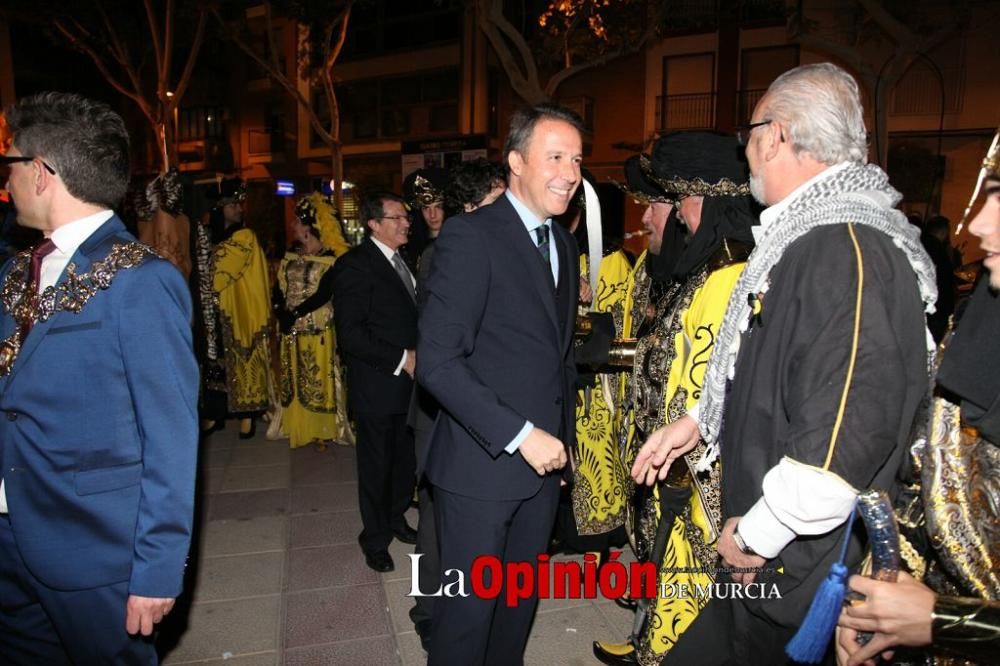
311 388
240 283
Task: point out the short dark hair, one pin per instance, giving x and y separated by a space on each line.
84 141
372 206
523 122
470 182
937 223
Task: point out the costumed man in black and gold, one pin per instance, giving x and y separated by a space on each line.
311 388
678 522
243 301
818 369
952 520
424 193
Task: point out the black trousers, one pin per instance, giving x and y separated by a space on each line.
470 630
386 468
40 625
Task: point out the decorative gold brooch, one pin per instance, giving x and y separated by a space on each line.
71 294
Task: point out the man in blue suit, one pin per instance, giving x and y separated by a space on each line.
494 350
98 391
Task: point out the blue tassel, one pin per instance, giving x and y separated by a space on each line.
809 644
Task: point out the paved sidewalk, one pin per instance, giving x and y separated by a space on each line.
278 576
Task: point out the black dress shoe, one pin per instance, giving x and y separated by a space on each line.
380 561
405 534
615 654
628 603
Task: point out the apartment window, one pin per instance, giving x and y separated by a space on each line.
758 68
688 99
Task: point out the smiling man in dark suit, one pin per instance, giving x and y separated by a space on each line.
494 350
375 312
98 387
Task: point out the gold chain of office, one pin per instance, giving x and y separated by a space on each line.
70 295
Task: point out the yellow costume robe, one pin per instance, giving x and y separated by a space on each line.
599 477
240 283
682 339
312 391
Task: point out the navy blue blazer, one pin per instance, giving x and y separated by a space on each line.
99 434
495 350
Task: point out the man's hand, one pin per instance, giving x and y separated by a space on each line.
735 558
141 613
543 452
586 293
664 447
410 365
897 613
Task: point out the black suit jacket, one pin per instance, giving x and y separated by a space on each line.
376 319
495 350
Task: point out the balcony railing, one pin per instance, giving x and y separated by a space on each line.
683 112
748 102
201 122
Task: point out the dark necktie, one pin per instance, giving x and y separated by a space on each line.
542 236
404 275
39 252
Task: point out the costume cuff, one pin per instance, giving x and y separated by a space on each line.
802 500
695 412
519 437
399 368
762 531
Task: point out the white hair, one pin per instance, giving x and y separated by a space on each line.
819 107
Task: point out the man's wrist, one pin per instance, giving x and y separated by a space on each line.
741 544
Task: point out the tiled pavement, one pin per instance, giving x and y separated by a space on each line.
277 576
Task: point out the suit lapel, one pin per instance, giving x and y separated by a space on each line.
81 260
527 252
385 269
567 276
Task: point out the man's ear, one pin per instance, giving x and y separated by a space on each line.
515 161
372 225
772 141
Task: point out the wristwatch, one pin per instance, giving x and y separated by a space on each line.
740 543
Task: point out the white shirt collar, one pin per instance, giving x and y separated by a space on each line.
70 236
529 219
770 214
385 249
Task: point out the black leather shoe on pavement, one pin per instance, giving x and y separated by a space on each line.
405 534
615 654
380 561
628 603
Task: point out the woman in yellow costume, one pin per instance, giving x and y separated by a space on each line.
677 523
243 296
311 388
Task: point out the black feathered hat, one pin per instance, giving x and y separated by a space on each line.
425 187
699 163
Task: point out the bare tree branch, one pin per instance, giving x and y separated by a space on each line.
168 46
154 31
199 38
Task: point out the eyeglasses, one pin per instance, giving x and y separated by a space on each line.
7 159
743 132
394 217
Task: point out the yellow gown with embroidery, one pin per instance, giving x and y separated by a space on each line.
698 312
240 282
599 477
311 388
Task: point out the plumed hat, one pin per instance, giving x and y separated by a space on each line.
316 210
699 163
640 186
424 187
